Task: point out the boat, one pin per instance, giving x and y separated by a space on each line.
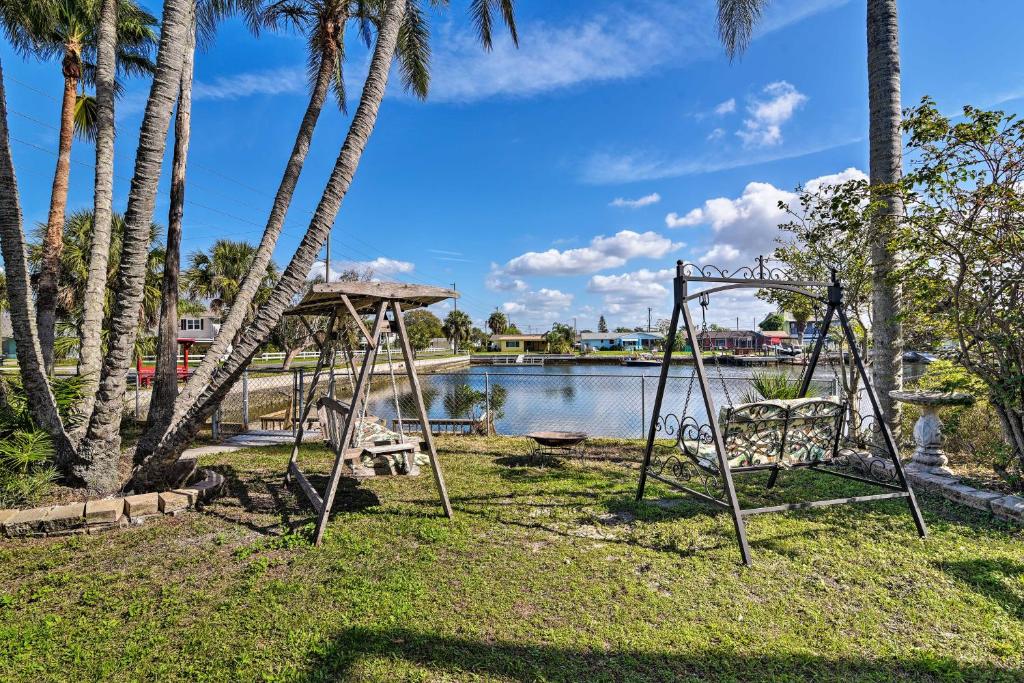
641 361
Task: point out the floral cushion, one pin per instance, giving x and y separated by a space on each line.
782 432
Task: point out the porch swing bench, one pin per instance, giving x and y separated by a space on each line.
772 435
373 449
768 435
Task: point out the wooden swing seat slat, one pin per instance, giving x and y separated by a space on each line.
388 448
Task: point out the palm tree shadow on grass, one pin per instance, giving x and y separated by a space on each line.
458 657
247 498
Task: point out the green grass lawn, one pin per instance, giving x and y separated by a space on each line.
544 574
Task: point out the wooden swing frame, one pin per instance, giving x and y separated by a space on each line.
354 300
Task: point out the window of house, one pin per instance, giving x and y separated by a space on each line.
512 344
191 324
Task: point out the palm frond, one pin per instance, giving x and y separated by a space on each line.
413 51
85 116
736 22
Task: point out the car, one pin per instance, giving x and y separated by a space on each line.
918 357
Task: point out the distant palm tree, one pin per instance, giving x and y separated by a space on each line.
66 30
217 276
497 322
77 239
736 22
457 327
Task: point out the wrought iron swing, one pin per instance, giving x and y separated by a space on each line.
344 426
774 435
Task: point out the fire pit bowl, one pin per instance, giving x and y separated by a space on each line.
552 444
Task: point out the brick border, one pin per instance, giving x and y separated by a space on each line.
1005 507
102 514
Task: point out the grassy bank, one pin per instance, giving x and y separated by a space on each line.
544 574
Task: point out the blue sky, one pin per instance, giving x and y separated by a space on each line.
557 181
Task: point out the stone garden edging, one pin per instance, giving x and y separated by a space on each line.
1001 505
102 514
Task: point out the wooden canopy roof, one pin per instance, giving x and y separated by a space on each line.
366 296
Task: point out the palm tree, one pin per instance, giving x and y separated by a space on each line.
393 27
323 22
66 30
497 323
217 276
74 269
457 327
203 24
736 21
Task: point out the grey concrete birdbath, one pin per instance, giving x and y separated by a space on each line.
928 453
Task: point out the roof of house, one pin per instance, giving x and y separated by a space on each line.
517 337
727 334
600 336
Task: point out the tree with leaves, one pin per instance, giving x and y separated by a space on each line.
964 246
423 327
736 22
457 328
602 325
773 322
66 31
497 323
560 338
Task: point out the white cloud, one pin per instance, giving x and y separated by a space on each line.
612 45
639 285
280 81
603 168
763 127
716 134
693 217
543 303
646 200
746 226
499 282
727 107
602 252
377 267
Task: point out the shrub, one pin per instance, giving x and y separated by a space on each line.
772 386
973 432
26 452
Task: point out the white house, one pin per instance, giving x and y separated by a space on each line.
202 327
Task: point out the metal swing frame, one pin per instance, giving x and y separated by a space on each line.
385 302
762 276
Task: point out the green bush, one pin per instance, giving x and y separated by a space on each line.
26 452
971 432
772 386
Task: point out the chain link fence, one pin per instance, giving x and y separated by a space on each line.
609 405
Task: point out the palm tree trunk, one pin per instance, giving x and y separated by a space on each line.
53 240
232 324
162 466
165 378
886 149
101 447
41 402
90 354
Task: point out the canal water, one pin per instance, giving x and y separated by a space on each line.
601 400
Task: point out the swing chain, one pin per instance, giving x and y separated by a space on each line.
705 301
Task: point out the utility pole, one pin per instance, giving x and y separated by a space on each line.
456 299
648 320
327 259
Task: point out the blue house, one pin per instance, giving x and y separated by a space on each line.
619 341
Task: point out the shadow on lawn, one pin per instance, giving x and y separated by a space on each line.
249 499
456 657
992 578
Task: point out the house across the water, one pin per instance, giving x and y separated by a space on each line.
620 341
519 343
